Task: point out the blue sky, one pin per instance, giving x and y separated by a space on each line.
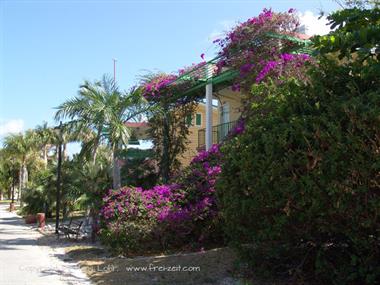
47 48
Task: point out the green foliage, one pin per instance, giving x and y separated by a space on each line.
299 189
139 169
300 185
169 132
99 114
84 183
357 34
40 196
8 174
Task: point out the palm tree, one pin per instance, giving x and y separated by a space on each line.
8 173
100 110
23 148
46 138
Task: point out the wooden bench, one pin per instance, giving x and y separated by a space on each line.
71 229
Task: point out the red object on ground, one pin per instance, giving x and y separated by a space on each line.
41 220
30 219
12 207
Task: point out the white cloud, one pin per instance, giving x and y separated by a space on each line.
11 126
223 27
314 25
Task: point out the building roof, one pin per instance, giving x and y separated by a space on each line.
136 124
302 36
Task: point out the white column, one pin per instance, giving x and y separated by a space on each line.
208 115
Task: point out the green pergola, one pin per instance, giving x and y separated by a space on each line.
204 80
202 75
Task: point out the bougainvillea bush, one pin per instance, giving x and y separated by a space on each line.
169 88
254 48
182 213
168 129
159 86
299 188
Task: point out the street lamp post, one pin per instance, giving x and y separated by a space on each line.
114 69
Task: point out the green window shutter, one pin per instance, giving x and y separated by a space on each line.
188 120
198 120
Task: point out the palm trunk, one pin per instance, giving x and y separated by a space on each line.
116 170
24 180
64 151
10 191
94 224
19 182
96 145
45 155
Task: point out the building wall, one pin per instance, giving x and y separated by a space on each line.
193 135
234 99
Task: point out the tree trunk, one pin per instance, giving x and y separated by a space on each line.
64 151
45 155
94 224
24 181
64 210
115 170
19 182
165 161
94 153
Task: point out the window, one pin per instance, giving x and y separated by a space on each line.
189 120
198 120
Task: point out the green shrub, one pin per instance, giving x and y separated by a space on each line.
35 201
140 172
40 197
299 188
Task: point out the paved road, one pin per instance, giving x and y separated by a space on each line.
23 262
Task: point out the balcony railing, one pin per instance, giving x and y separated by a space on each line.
219 133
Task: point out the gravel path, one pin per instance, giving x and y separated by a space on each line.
24 262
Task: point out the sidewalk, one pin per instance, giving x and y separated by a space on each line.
24 262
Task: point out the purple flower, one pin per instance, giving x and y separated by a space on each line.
267 68
214 170
246 68
235 87
287 57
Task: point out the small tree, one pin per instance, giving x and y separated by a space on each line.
101 111
168 127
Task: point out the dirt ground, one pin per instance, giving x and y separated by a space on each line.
201 268
216 266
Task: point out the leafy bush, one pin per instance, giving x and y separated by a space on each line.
140 169
40 197
299 188
179 214
35 201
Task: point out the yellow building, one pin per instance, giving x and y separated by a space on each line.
197 125
229 108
